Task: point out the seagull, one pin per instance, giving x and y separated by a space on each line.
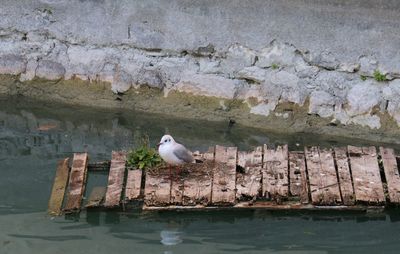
174 153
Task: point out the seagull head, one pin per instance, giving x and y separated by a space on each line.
166 140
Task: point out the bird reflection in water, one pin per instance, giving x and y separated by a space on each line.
170 237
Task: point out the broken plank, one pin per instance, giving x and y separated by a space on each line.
366 176
197 186
344 175
96 197
248 179
224 176
324 186
298 176
157 188
59 186
115 179
77 181
391 173
275 172
133 184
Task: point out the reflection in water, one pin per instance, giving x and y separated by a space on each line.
170 237
229 231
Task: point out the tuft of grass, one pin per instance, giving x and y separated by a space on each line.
378 76
363 78
274 66
143 157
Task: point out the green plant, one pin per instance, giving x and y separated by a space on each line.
274 66
363 78
378 76
143 157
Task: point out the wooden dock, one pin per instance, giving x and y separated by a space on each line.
341 178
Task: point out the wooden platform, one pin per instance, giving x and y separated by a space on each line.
341 178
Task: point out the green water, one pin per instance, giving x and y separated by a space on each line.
34 135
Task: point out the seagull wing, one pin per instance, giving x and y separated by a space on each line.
183 154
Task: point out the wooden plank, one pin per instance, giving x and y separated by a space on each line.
343 170
198 185
177 187
96 197
133 184
77 181
59 186
115 179
248 181
224 177
157 190
366 176
324 186
275 173
329 178
391 173
271 205
298 176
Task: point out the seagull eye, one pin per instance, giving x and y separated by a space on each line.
165 141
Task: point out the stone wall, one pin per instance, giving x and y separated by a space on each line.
339 58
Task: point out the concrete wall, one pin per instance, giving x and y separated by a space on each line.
322 54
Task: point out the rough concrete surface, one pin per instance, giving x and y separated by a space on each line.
320 56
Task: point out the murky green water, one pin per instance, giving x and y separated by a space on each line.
34 135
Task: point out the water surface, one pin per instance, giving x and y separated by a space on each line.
34 135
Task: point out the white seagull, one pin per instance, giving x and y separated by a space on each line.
174 153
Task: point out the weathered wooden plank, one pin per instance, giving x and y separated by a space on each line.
391 173
329 177
224 179
198 184
177 186
157 190
77 181
324 186
133 184
271 205
343 170
96 197
59 186
366 177
275 172
115 179
298 176
248 181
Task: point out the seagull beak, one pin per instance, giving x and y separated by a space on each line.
158 145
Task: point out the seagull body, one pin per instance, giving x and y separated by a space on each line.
173 153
